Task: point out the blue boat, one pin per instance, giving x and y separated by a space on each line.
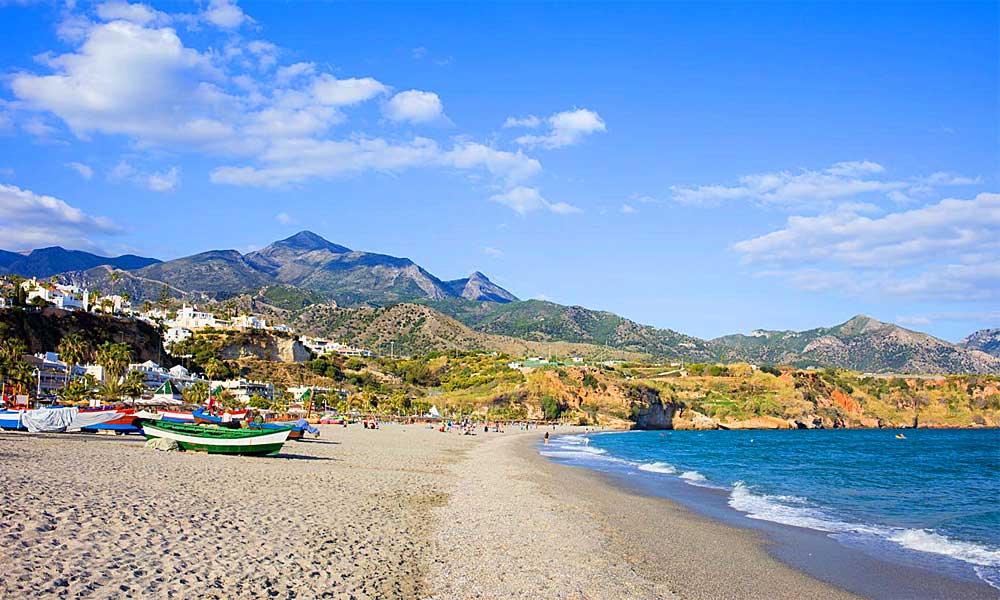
11 420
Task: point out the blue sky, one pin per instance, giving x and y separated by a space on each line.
710 168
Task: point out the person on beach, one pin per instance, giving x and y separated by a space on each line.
546 437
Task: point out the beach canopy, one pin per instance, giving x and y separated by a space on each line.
434 412
167 393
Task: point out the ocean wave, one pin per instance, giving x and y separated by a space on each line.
658 467
928 541
795 511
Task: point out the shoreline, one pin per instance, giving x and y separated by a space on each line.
811 553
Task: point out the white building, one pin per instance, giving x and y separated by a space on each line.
322 346
155 375
248 322
176 334
113 304
243 389
190 318
53 294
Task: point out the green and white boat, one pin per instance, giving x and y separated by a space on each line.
217 440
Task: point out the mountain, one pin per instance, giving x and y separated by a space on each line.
417 329
46 262
860 344
984 340
478 288
320 268
348 277
544 321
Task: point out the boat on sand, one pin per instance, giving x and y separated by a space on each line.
217 440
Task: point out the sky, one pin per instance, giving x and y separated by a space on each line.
710 168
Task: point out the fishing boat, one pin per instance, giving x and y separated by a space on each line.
11 419
217 440
127 423
203 417
294 431
173 416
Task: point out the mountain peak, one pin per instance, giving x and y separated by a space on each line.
307 240
479 288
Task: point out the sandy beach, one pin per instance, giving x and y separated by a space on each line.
402 512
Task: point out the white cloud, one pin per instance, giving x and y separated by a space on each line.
944 250
419 52
272 124
945 178
627 209
492 251
566 128
142 14
296 160
331 91
164 182
843 180
224 14
30 220
414 106
84 170
987 317
855 168
529 121
284 218
39 128
285 75
524 200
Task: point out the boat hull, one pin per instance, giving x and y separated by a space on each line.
267 443
11 419
176 417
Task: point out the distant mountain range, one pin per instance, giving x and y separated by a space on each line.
304 260
860 344
985 340
46 262
299 275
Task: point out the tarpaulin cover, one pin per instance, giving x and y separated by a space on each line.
61 419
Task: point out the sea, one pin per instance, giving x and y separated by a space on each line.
930 500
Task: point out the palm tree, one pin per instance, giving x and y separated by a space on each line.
114 358
73 349
115 276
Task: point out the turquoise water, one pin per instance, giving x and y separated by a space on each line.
934 496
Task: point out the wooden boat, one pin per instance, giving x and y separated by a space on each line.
217 440
294 431
205 418
127 423
171 416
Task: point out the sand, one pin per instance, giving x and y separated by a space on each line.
403 512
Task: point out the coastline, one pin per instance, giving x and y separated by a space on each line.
650 515
541 529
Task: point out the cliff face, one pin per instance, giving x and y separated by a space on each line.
650 410
42 330
264 346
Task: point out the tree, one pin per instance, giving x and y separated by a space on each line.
73 349
197 393
214 368
134 385
115 359
164 298
79 389
115 276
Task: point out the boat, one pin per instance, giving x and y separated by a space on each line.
900 436
11 419
294 431
127 423
172 416
218 440
202 417
54 418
